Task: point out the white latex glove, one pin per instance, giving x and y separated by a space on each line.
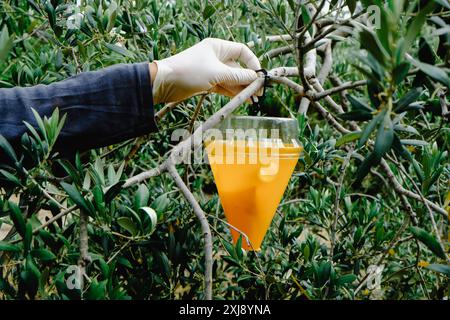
210 65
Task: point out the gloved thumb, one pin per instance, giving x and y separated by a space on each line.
236 76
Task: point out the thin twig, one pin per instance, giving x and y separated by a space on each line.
443 102
275 52
336 82
84 259
55 218
197 109
338 89
271 38
430 212
144 176
313 20
401 190
207 236
337 200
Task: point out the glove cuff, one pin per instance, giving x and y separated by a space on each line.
161 87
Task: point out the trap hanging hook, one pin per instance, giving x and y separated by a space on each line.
256 106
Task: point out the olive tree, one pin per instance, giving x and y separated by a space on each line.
365 215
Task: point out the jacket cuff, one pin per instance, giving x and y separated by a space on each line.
146 95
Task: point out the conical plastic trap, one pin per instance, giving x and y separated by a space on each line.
251 174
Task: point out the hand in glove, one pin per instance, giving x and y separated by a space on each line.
211 65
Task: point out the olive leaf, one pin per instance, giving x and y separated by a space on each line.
432 71
6 43
17 218
76 196
128 224
441 268
349 137
412 95
385 136
369 128
371 43
364 168
6 246
428 240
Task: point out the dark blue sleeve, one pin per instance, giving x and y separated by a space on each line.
103 107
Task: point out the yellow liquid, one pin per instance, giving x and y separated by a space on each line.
251 187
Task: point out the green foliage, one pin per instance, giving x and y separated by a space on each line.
145 241
427 239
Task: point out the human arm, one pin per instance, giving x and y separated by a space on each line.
103 107
116 103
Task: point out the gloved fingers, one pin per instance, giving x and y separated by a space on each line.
228 50
235 89
222 91
234 64
229 91
230 76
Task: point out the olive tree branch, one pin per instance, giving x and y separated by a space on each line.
207 236
178 153
85 258
430 212
401 190
337 200
337 89
271 38
390 175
